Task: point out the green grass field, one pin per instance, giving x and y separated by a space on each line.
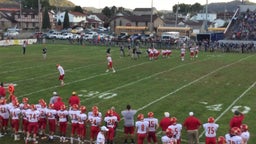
211 85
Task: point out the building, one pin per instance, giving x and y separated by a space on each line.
203 16
144 11
75 18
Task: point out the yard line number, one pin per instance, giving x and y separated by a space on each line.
103 95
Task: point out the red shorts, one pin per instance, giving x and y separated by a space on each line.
5 122
63 127
25 124
61 77
81 130
129 130
33 127
210 140
152 136
110 133
42 123
52 125
94 132
192 54
110 65
15 124
140 138
182 54
74 128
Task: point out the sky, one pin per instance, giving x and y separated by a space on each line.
158 4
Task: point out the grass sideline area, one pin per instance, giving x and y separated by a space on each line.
214 84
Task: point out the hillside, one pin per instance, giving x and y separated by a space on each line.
58 3
222 6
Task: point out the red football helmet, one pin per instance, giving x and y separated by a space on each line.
150 114
75 106
32 107
235 131
110 112
25 100
26 106
210 120
244 127
169 132
41 101
43 104
140 117
51 106
174 120
95 108
221 140
83 109
62 107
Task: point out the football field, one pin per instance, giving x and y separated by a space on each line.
214 84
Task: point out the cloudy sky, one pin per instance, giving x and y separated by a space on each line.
159 4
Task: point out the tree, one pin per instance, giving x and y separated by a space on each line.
59 22
34 3
113 10
66 23
46 20
106 11
78 9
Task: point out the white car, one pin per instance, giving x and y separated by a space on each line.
11 33
66 36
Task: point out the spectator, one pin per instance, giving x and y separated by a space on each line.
101 135
24 45
54 98
128 115
2 91
44 52
74 99
192 124
237 119
165 121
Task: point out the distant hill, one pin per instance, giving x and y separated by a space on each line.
229 6
58 3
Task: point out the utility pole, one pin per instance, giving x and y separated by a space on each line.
177 9
151 17
39 16
20 15
206 16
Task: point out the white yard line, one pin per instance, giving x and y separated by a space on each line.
91 77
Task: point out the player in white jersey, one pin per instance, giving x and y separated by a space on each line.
210 131
33 117
153 126
192 52
228 138
4 116
236 136
82 120
51 116
24 101
196 50
62 74
176 129
15 116
74 121
111 121
42 119
245 133
110 64
182 52
95 121
168 137
141 128
155 53
62 115
26 108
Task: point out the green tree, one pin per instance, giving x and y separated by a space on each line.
66 23
46 20
34 3
106 11
78 9
113 10
197 7
59 22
